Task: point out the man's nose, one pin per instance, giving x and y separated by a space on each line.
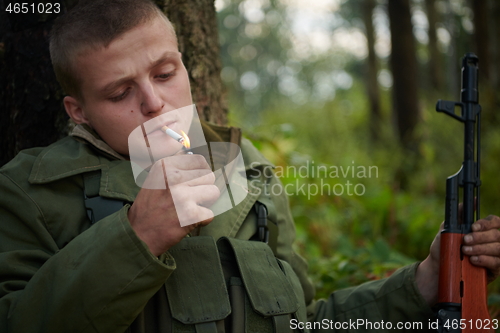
151 101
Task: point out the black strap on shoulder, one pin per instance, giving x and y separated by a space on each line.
267 231
262 229
97 207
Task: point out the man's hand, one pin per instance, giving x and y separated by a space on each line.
482 245
153 215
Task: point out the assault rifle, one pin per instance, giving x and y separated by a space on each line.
462 295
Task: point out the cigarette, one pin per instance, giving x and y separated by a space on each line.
177 137
173 134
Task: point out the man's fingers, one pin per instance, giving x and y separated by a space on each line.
186 162
489 222
483 237
206 195
491 249
483 245
488 262
175 170
205 178
187 198
192 203
206 221
190 177
195 214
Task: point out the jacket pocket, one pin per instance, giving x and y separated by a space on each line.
196 290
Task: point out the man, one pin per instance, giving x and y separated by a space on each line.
136 269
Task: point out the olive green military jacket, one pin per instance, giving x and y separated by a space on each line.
59 273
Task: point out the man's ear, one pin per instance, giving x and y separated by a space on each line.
74 110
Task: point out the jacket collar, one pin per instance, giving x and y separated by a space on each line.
87 134
76 154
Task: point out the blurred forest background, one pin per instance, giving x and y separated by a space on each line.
315 83
318 83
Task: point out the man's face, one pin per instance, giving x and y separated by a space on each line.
137 77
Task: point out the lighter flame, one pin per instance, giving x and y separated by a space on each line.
186 142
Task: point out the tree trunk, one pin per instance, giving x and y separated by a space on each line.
435 69
404 70
484 43
453 55
495 54
481 38
195 22
372 70
31 110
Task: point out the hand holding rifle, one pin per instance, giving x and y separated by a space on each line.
465 255
483 247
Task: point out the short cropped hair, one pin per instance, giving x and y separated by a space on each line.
90 25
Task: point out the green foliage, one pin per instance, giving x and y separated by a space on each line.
350 265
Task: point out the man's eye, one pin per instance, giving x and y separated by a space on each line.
120 96
165 76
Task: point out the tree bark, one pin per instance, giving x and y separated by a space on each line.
405 73
195 22
372 70
31 110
